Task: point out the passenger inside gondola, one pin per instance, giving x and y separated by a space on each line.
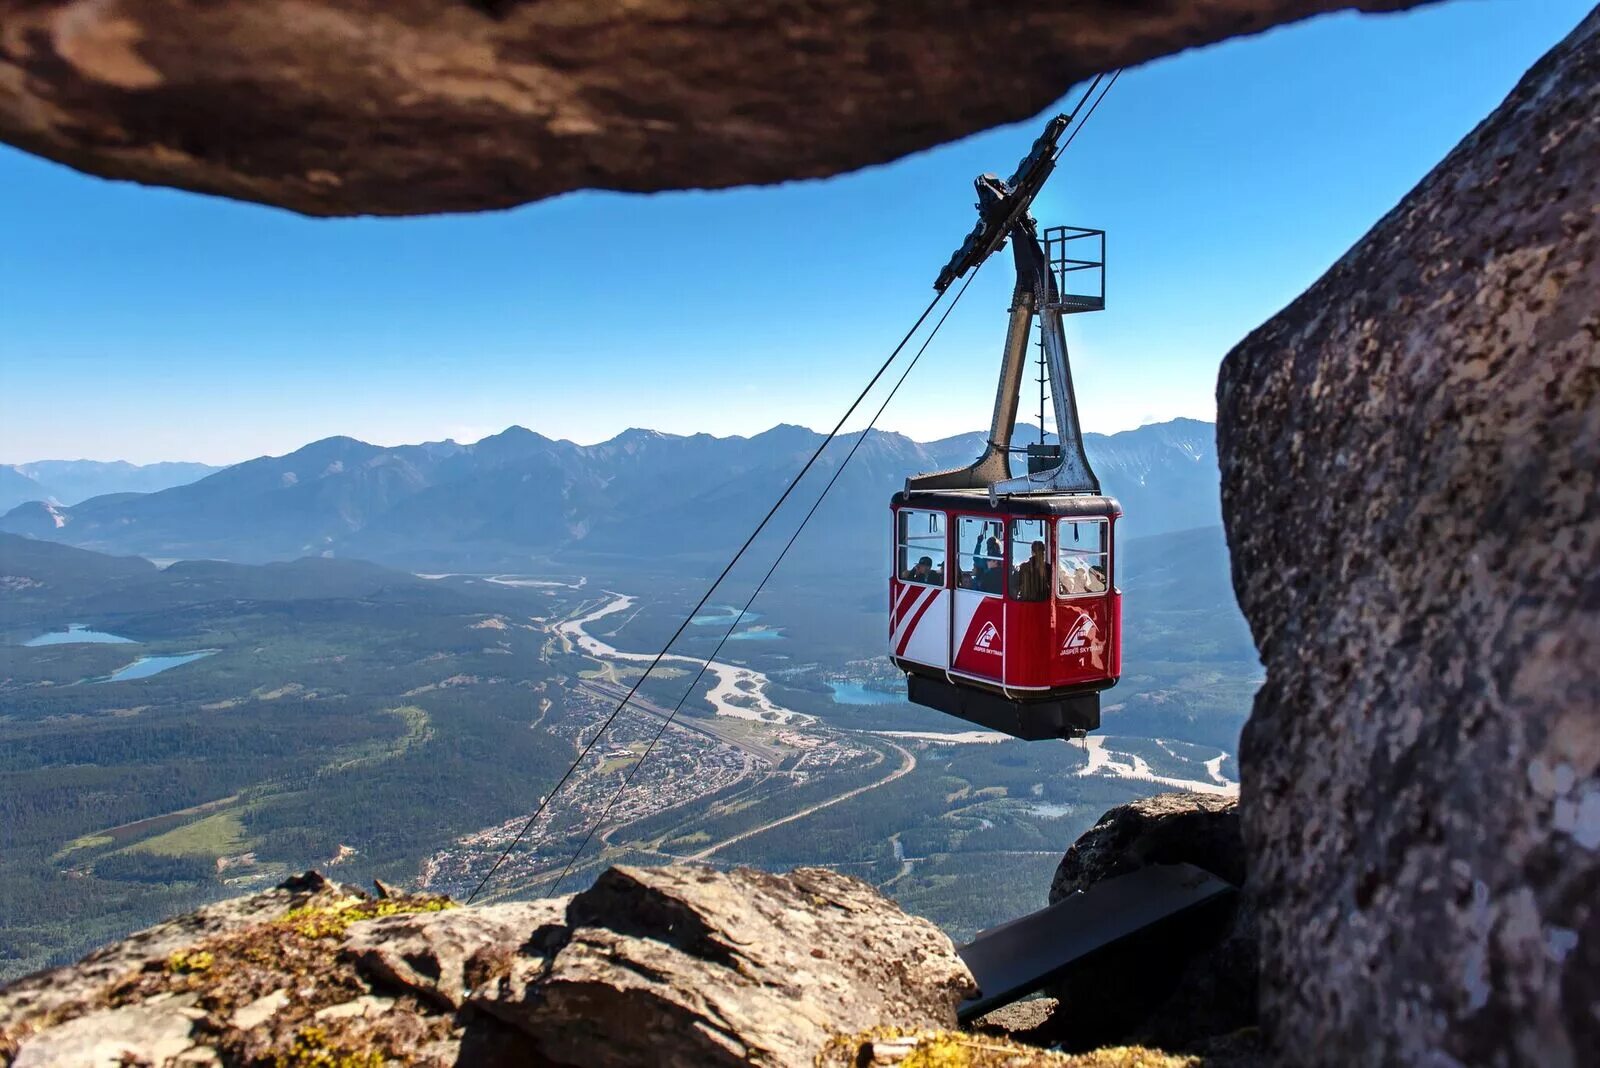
994 564
921 538
987 571
1031 580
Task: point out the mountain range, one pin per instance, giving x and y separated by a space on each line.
518 498
71 481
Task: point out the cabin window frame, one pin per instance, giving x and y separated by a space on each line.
1015 558
987 519
1063 550
903 547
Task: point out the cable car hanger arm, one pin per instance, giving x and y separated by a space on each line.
1003 213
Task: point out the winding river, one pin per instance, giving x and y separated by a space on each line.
738 692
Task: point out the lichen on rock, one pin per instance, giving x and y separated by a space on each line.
957 1049
744 966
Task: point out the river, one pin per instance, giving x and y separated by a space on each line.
738 691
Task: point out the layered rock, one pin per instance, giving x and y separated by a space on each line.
671 966
340 107
733 968
1411 483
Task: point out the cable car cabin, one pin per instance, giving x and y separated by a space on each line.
1009 616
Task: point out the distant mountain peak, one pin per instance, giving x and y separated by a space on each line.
636 435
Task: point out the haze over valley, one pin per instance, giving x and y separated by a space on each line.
518 498
377 660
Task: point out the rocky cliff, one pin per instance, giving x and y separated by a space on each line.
1411 465
675 966
1411 483
678 966
344 107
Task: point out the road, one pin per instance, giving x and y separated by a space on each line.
907 766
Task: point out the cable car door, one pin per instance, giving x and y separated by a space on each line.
977 624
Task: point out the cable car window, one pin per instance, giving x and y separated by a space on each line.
1030 578
1083 562
920 547
983 566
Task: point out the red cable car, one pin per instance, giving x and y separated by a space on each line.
1003 605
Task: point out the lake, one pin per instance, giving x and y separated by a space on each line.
78 633
146 666
851 692
723 614
757 634
1050 811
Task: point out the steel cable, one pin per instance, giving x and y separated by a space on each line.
604 726
667 722
584 751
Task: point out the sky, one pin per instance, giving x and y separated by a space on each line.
148 324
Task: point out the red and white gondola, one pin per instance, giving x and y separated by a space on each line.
1003 604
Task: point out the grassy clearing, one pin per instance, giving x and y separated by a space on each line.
417 732
213 836
88 841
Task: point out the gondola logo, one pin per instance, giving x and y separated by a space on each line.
1078 638
986 637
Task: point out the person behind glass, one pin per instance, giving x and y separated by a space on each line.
1033 576
922 572
991 574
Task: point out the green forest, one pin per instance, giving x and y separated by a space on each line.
362 720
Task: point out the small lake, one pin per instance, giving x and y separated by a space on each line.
851 692
723 614
78 633
146 666
757 634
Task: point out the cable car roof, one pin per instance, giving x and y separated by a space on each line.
1040 504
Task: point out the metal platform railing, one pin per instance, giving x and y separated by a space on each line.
1077 259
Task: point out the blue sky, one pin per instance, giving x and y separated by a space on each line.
147 324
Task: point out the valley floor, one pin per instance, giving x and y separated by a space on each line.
756 753
377 724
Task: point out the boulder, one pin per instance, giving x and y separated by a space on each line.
1410 455
704 967
1174 828
730 968
442 957
344 107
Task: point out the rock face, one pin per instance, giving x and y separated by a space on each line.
674 966
1180 985
711 968
341 107
1411 482
1175 828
